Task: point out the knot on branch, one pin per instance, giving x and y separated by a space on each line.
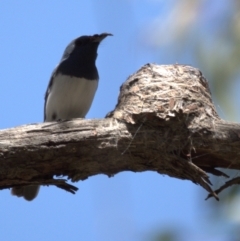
166 91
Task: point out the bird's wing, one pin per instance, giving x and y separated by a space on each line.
54 73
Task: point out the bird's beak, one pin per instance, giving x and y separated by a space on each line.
100 37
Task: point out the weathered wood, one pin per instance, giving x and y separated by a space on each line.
164 121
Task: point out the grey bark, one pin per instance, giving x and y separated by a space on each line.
164 121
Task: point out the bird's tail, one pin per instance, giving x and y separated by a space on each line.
28 192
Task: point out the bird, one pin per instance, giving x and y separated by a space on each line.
71 89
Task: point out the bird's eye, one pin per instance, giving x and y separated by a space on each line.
82 40
79 42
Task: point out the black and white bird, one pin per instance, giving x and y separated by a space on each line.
71 89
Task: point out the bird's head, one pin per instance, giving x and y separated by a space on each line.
84 46
80 56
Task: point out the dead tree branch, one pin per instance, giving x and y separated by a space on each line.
164 121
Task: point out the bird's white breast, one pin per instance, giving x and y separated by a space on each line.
70 97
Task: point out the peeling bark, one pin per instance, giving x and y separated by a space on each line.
164 121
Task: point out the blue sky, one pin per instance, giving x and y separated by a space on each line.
129 206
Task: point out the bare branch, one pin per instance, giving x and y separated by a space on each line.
164 121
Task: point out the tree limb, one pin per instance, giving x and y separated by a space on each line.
164 121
